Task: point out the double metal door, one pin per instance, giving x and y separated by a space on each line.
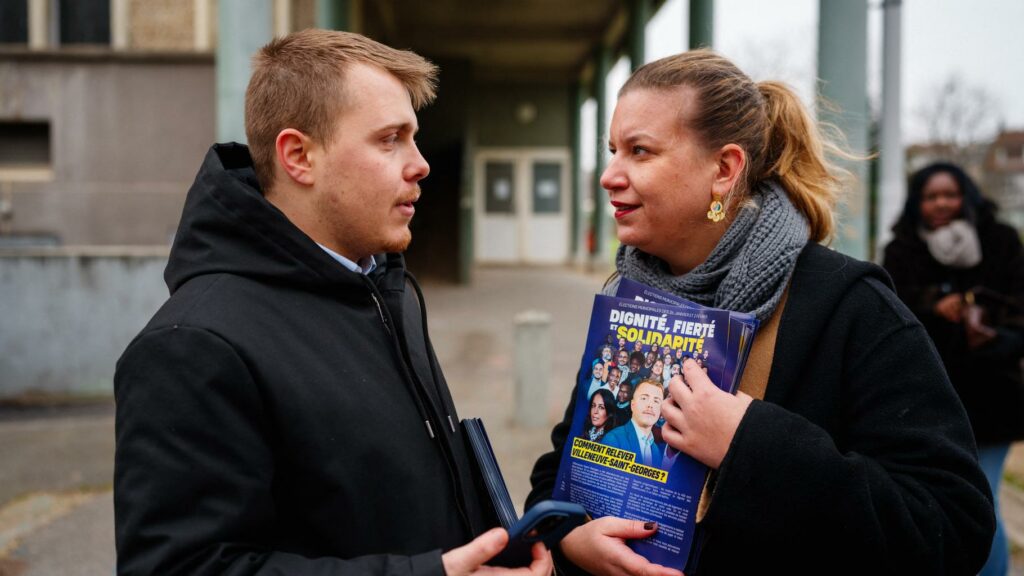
521 206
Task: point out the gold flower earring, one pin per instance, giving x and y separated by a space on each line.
717 211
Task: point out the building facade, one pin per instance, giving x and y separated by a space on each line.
108 106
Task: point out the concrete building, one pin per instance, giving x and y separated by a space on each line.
1004 175
108 106
103 119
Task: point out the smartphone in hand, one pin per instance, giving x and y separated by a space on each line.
548 522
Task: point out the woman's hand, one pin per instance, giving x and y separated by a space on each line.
951 307
700 418
978 333
599 547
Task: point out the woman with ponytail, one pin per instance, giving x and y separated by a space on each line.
846 449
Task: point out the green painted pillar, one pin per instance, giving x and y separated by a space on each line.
843 69
333 14
577 95
243 27
702 23
600 224
466 223
639 14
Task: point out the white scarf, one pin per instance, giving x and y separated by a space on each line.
955 245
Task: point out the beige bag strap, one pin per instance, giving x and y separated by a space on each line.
753 382
759 365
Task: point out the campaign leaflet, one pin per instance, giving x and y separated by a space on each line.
615 461
742 326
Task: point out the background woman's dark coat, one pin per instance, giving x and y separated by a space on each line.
988 379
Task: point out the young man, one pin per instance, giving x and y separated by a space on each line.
622 358
284 412
637 435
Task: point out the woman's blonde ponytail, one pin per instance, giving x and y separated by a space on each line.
796 157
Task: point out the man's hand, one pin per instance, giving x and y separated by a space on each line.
951 307
700 418
470 559
599 547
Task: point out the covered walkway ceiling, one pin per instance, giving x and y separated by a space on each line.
507 39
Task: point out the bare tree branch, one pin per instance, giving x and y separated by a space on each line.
959 114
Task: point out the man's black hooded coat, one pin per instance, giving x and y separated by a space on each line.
280 413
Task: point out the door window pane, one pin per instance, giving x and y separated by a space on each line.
85 22
500 181
13 21
547 187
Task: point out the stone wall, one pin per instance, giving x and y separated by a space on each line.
127 135
67 314
161 25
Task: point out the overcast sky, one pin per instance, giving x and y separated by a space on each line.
981 41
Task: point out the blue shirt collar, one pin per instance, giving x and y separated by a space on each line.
364 266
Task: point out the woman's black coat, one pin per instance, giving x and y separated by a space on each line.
859 460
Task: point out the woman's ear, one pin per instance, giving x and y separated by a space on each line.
293 154
731 162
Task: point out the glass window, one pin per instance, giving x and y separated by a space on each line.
24 144
13 21
500 195
547 187
84 21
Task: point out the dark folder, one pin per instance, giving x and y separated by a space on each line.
489 473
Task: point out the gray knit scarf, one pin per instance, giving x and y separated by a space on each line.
747 271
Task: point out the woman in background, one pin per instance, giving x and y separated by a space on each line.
962 273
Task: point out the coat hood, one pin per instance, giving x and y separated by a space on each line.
227 226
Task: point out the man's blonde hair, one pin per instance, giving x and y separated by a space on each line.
298 81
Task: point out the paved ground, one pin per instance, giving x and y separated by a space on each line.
56 512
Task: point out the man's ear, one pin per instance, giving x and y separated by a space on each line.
293 154
731 161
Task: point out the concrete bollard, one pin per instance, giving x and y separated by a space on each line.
533 367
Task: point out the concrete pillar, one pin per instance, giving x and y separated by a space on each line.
842 67
282 18
119 18
577 96
6 207
466 238
201 25
702 23
600 224
639 14
533 367
333 14
243 27
892 181
38 24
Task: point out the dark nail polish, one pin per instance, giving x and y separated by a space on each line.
650 525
